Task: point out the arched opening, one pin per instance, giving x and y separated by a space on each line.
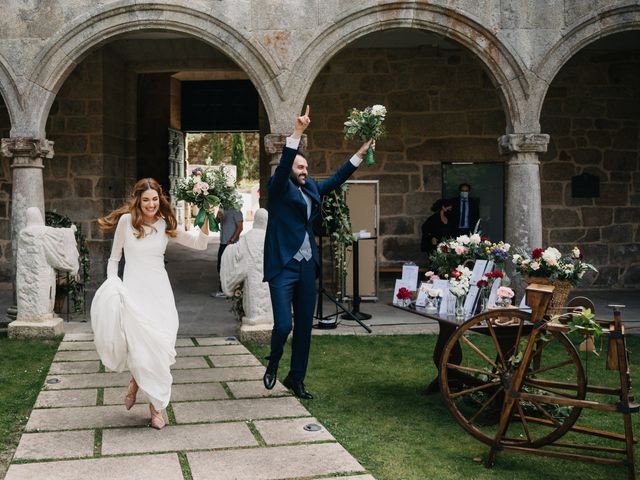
119 116
5 199
444 115
591 172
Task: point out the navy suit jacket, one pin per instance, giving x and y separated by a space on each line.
288 221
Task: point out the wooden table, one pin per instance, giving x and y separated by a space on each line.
447 326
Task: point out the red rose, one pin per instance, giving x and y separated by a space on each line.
536 253
482 284
484 238
403 294
456 274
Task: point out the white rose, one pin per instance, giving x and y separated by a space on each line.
379 110
506 247
535 265
551 256
463 239
516 258
474 239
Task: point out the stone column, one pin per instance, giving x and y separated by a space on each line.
27 188
523 205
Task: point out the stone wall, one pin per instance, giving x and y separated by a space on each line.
592 113
86 178
442 108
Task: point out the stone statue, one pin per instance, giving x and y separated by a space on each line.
242 266
41 249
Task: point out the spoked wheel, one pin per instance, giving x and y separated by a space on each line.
492 345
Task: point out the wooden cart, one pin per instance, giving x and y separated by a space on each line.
516 382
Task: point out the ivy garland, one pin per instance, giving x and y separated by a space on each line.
337 223
54 219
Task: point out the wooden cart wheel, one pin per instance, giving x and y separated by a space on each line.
492 345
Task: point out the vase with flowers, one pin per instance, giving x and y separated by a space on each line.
504 297
404 297
459 288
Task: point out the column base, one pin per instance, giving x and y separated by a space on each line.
49 328
260 334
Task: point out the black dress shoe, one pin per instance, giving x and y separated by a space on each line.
269 378
297 387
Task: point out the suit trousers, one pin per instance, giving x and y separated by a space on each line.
294 286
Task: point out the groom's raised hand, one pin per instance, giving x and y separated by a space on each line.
301 124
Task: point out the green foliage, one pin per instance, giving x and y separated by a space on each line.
238 157
337 223
73 286
585 323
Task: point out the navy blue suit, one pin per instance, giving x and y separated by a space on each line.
293 282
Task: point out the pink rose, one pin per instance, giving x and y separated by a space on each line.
460 250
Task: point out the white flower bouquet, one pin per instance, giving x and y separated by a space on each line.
366 124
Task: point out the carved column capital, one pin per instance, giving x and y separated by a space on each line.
523 143
275 142
26 152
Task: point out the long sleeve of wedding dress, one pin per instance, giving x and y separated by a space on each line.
196 240
118 245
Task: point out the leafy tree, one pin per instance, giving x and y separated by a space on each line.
238 157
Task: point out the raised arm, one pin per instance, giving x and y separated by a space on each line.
196 240
118 245
345 171
283 170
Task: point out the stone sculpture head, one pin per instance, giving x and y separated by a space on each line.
260 219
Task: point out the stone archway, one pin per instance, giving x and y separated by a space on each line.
505 68
68 48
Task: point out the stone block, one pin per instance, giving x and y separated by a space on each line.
255 388
244 409
177 438
179 393
394 184
392 165
401 249
211 350
73 418
78 337
38 446
391 204
618 176
597 216
281 432
326 140
408 101
625 139
436 125
599 138
255 334
566 235
560 217
57 188
234 360
596 254
625 254
67 398
377 83
272 463
57 368
586 156
73 356
184 342
189 362
556 125
217 374
397 226
617 234
166 467
522 14
71 144
50 328
613 194
631 276
627 215
83 187
623 108
620 160
551 193
76 345
606 276
89 380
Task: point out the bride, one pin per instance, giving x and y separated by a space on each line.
143 227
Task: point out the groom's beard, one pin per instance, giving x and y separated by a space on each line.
299 180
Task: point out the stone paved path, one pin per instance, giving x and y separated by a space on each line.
222 423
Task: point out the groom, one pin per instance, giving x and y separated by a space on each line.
291 254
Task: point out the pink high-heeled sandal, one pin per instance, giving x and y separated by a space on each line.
130 397
157 419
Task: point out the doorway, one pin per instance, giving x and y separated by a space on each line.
487 185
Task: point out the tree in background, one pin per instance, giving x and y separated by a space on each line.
238 156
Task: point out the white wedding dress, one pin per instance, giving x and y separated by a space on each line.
148 315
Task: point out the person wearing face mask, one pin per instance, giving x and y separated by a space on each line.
437 226
291 254
466 210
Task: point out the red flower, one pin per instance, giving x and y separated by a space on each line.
494 274
482 284
484 238
536 253
445 249
403 294
456 274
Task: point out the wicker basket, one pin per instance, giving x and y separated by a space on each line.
560 293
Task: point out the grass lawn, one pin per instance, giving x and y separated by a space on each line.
23 367
368 393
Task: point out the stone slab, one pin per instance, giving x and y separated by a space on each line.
234 360
245 409
280 432
49 328
141 467
177 438
87 417
217 374
78 337
89 380
255 388
74 356
38 446
179 393
89 366
189 362
184 342
67 398
211 350
272 463
76 345
208 341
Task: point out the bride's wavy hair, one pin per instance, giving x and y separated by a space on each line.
110 222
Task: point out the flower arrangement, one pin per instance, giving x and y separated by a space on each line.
459 282
403 294
205 189
366 124
452 252
504 294
551 264
431 277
